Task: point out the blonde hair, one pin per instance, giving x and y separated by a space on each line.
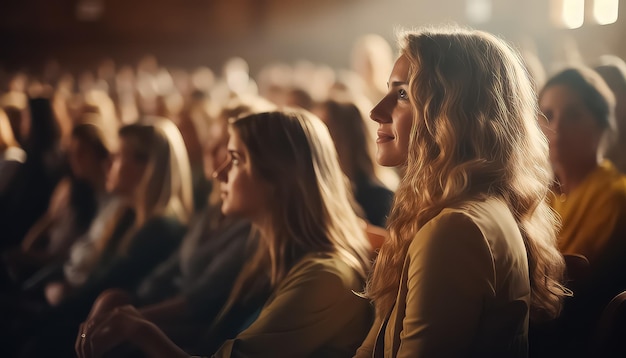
7 139
474 135
165 187
311 203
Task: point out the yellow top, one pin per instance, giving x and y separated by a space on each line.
590 213
312 313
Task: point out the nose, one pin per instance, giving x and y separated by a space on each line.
221 172
381 112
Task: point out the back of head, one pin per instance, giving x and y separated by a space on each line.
474 135
44 133
350 134
91 134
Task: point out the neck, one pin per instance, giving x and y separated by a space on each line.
571 177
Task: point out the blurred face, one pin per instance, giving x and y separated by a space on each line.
394 115
570 127
242 191
126 171
83 160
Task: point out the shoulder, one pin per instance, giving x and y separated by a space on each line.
467 228
163 226
323 269
608 186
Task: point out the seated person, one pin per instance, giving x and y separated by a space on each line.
589 193
151 176
74 204
282 175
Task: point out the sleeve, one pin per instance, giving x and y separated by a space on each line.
150 246
450 273
209 292
306 313
160 283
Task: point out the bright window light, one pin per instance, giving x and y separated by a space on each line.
478 11
572 13
605 11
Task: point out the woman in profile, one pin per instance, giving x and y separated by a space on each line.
283 175
472 252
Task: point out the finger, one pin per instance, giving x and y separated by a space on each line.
107 301
78 345
102 335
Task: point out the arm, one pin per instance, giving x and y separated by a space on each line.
308 311
450 274
58 200
149 246
165 311
99 335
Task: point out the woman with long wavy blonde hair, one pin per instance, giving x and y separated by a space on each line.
472 250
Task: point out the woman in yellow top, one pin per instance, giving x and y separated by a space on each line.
589 193
284 176
472 250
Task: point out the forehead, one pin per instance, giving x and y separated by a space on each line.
560 94
400 71
234 141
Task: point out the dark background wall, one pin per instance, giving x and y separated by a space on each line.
206 32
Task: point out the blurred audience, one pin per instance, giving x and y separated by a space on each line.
349 132
86 206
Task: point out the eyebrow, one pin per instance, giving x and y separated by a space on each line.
235 153
397 83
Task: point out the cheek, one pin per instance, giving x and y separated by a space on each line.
404 132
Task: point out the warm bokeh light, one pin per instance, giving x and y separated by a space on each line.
573 13
605 11
478 11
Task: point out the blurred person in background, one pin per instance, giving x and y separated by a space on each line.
589 195
12 156
350 134
27 199
589 192
74 204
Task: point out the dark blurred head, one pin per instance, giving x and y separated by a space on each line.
45 133
347 127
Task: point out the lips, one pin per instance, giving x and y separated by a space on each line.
384 137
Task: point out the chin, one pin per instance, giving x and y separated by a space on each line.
388 162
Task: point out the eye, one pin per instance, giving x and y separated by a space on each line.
234 158
402 94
